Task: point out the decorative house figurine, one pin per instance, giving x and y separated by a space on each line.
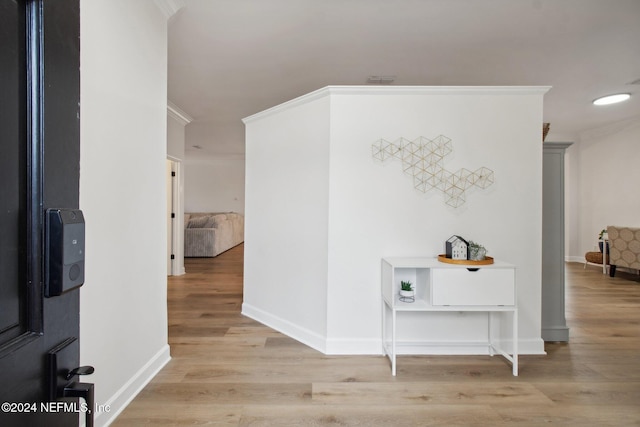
457 248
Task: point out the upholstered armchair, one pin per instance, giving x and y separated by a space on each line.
624 244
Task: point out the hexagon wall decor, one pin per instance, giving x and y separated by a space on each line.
423 159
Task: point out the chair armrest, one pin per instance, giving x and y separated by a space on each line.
199 242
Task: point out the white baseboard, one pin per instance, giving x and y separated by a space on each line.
530 346
579 259
305 336
348 346
441 348
119 401
373 346
525 347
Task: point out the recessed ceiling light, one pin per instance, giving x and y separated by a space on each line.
612 99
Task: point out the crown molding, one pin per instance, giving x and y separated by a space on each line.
561 136
399 90
200 157
558 146
169 7
176 113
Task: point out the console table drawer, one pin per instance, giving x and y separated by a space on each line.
486 286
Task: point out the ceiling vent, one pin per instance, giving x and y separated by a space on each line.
380 80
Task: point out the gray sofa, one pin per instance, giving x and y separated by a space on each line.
208 234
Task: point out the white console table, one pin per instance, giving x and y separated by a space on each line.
443 287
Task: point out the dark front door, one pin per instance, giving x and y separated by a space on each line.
39 169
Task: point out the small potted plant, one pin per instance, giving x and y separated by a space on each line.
407 293
477 252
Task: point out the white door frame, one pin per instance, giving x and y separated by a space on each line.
177 230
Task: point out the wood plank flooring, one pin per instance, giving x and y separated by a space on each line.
228 370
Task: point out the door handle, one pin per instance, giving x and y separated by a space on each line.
62 380
81 370
85 391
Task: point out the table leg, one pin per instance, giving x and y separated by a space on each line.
604 256
393 342
515 342
489 338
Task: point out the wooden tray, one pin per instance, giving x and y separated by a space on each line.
486 261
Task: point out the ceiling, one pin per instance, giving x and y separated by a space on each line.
229 59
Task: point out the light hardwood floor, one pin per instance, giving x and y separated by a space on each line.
228 370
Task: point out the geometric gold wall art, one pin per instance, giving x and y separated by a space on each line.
423 159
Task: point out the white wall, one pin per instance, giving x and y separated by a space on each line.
214 183
604 175
175 137
286 221
373 210
123 308
176 122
